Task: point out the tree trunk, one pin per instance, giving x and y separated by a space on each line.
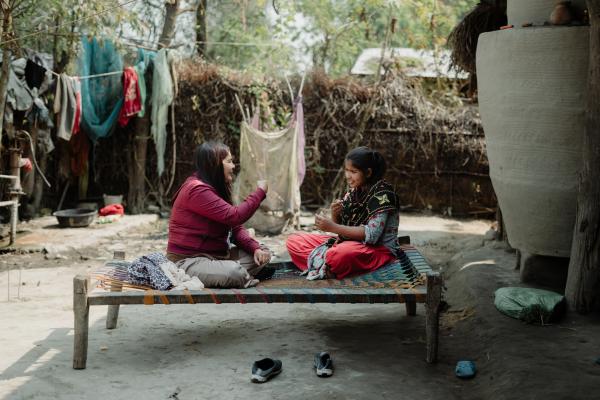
6 56
38 187
201 31
583 282
137 165
171 12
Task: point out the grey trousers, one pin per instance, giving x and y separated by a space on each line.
237 271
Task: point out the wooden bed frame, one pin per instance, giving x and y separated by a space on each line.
85 296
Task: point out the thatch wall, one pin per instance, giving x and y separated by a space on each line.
436 156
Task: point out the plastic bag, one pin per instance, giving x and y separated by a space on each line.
530 305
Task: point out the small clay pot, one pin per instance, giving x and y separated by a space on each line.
561 15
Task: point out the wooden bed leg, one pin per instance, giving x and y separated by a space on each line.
113 310
81 309
411 308
432 321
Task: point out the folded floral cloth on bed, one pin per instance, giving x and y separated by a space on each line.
156 271
317 268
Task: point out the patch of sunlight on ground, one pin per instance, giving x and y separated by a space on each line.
475 263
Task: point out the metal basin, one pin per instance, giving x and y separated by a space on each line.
75 217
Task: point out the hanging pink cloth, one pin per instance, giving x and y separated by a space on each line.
77 119
299 119
132 103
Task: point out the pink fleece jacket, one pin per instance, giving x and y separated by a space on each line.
201 220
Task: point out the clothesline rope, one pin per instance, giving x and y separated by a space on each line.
100 75
90 76
256 44
69 23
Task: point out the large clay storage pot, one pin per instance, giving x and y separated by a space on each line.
532 84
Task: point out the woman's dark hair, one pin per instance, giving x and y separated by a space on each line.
208 159
364 158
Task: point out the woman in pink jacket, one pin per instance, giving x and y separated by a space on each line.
205 224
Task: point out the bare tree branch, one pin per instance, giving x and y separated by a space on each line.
186 10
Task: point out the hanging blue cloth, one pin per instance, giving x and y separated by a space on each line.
101 97
144 59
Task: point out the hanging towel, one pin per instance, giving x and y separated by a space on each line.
162 97
101 97
132 102
65 105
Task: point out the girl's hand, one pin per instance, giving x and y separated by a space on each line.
261 257
336 208
324 224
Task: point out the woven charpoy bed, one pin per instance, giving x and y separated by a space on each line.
409 281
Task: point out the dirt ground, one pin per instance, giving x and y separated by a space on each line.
205 351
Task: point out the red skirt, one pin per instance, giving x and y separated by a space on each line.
345 259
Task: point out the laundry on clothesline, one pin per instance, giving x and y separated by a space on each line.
277 156
162 97
132 99
67 105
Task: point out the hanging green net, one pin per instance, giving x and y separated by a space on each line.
101 97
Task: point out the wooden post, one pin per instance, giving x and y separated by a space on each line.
411 308
81 309
137 165
113 310
432 321
583 282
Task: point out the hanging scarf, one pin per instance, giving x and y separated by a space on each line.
358 206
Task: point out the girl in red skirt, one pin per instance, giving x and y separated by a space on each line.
365 222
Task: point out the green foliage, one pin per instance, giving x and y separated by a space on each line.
244 22
55 26
334 32
325 33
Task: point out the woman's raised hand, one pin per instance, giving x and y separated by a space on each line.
263 184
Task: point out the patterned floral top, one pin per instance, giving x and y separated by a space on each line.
382 229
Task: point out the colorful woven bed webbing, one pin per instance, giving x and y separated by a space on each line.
405 274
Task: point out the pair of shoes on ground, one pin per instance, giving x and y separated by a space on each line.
265 369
